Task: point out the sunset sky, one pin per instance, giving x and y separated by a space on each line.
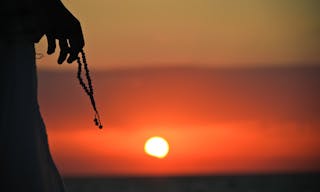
234 87
139 33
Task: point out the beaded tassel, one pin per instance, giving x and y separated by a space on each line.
88 88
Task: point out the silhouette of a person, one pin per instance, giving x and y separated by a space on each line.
26 162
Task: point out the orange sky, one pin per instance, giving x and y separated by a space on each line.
146 33
232 85
216 149
216 120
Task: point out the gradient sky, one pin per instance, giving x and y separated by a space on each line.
216 121
232 85
134 33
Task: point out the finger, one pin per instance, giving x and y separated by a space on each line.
73 55
76 45
74 52
64 50
51 44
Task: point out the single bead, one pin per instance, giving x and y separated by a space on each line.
96 121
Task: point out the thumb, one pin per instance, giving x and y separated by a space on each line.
51 44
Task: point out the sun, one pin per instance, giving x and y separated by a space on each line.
156 147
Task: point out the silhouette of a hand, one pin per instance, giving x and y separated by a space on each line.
67 29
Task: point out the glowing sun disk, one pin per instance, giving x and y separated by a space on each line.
156 147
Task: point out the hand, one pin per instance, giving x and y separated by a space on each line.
64 27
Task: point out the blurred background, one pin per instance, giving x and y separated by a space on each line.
233 86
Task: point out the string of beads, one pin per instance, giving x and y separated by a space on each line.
88 88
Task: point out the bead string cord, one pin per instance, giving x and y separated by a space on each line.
88 88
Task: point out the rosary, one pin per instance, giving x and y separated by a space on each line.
88 88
